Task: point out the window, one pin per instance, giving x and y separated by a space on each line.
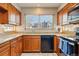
40 22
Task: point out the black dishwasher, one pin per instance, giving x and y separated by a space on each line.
47 43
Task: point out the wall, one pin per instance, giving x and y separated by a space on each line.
70 27
37 11
6 27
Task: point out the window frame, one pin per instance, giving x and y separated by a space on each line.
39 15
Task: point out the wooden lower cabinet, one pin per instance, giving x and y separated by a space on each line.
19 45
56 45
16 46
31 43
5 49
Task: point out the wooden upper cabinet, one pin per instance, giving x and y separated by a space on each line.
71 5
9 14
4 5
18 17
3 13
62 16
14 15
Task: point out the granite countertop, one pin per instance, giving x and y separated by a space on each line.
11 35
6 37
68 36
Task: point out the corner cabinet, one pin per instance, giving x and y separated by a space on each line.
9 14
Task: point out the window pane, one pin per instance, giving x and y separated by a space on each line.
32 21
46 21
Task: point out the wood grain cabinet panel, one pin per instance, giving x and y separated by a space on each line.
5 49
56 45
18 17
31 43
19 45
4 5
14 15
16 46
62 15
9 14
3 13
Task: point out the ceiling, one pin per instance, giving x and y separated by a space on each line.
23 5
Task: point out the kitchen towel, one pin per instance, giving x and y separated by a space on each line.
60 43
65 47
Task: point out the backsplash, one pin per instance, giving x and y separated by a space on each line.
6 27
70 27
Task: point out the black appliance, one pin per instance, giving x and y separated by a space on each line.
47 44
73 14
77 34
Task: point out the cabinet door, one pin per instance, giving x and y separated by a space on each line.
65 16
61 17
18 17
19 43
27 45
14 51
11 14
31 43
3 13
6 52
5 49
16 46
36 44
14 15
56 45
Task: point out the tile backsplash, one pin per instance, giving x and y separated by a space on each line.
6 27
70 27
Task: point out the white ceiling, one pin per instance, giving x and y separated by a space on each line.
39 5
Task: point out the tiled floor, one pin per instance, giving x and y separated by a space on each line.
39 54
